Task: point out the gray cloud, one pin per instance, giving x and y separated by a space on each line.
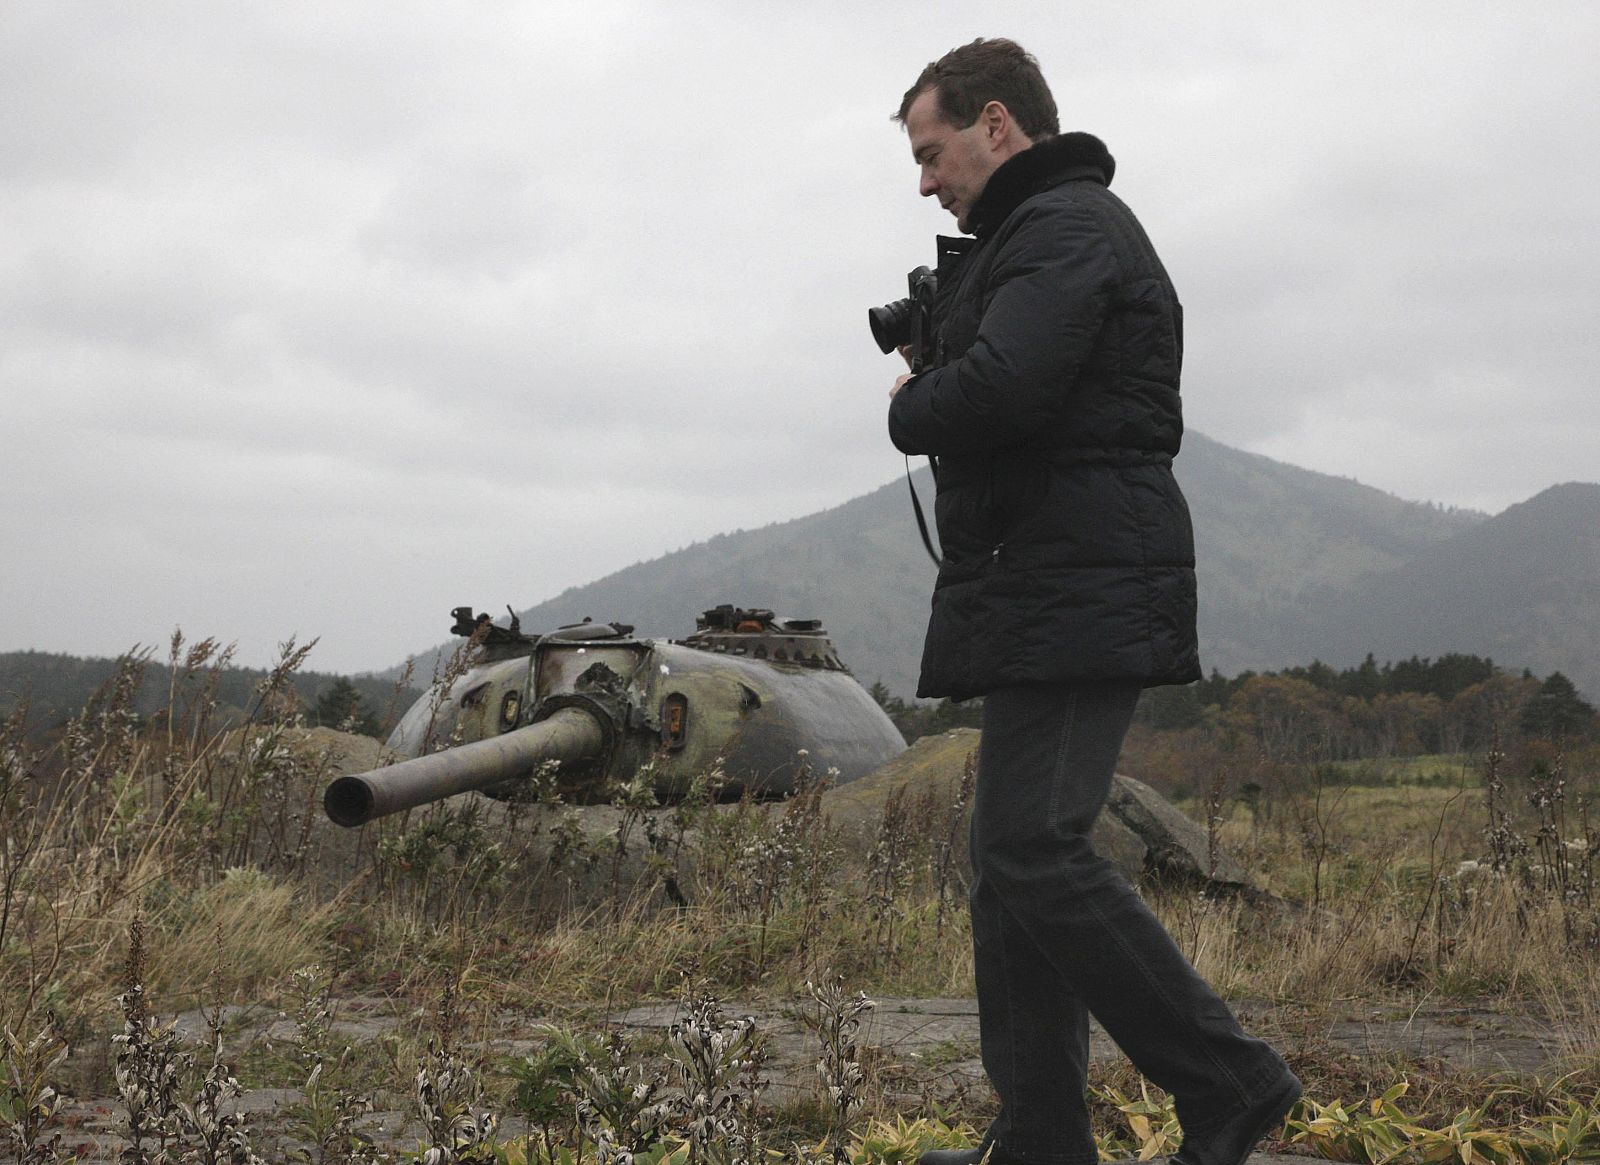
322 320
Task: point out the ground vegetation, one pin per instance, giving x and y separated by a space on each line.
1422 845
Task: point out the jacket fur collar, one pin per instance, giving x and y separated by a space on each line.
1046 164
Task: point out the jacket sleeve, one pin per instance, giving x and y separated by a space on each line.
1047 294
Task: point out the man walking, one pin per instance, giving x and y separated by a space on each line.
1051 405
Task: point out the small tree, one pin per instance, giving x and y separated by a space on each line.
340 706
1556 710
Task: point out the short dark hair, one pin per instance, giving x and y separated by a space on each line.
968 78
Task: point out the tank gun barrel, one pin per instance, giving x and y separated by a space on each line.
568 734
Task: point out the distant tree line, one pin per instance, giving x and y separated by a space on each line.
50 688
917 720
1454 703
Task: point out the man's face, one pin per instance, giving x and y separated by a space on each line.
956 163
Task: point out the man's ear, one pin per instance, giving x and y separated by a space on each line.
996 121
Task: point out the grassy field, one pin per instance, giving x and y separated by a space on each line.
153 866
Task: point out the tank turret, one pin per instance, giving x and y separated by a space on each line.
762 697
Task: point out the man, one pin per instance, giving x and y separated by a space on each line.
1051 406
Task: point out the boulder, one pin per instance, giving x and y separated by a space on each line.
571 856
1150 840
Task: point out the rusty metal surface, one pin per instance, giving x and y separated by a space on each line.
760 699
758 715
462 713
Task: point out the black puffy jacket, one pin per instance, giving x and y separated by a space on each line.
1054 414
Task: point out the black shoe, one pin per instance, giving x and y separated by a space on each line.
986 1148
953 1156
1231 1142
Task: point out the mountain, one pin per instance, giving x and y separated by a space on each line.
1522 588
1267 534
1293 565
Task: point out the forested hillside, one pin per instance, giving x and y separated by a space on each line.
1294 566
1523 587
1314 713
1268 535
52 687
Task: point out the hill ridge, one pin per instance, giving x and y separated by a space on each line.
1272 538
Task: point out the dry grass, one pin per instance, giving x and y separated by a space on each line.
214 839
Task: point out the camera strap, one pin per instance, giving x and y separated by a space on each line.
916 507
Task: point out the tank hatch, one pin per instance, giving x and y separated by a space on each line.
759 634
589 631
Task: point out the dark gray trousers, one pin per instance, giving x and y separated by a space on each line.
1058 935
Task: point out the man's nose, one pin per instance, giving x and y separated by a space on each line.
928 185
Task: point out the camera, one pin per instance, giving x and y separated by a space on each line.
908 323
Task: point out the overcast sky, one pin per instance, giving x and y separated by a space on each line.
318 319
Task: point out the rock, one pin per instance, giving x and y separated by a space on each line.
573 859
1176 847
1148 838
347 752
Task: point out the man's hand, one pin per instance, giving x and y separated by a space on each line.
900 382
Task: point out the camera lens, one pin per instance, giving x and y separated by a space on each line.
891 324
